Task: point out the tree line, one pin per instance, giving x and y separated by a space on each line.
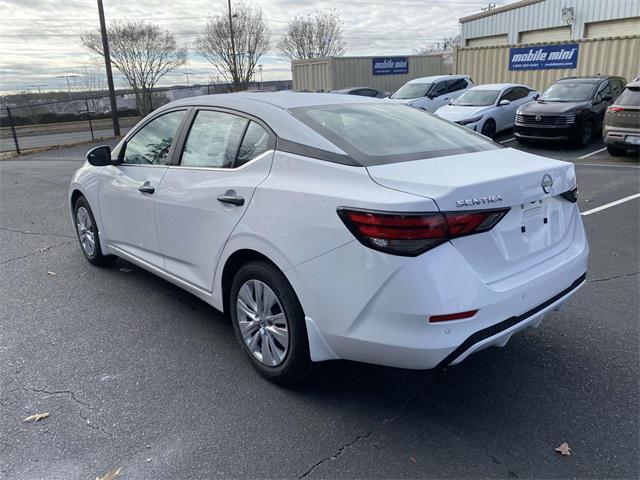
144 53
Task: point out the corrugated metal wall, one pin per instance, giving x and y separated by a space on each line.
608 56
334 73
546 14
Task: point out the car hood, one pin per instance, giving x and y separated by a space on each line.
406 101
552 108
455 113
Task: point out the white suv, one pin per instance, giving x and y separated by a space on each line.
431 93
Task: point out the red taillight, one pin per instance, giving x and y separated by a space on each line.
613 109
452 316
411 234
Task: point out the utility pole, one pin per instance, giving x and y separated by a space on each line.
68 84
187 75
233 48
260 67
38 87
107 64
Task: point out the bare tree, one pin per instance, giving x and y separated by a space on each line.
143 53
316 35
444 47
251 35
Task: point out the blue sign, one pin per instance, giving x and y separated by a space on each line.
390 65
544 57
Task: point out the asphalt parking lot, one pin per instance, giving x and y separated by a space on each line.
137 374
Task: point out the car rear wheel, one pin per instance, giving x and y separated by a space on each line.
87 231
616 151
489 128
269 323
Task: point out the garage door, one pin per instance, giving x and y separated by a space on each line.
546 35
613 28
485 41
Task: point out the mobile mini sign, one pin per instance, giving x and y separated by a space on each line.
390 65
544 57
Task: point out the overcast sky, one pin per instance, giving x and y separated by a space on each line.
39 39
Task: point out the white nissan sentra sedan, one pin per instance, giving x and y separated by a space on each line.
337 227
488 109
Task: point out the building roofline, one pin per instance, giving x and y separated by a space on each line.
495 11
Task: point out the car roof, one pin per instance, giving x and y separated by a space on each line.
498 86
595 78
436 78
351 89
273 109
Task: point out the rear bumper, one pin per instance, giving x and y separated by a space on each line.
617 138
375 308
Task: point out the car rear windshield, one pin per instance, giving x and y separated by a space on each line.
412 90
630 97
569 92
477 98
382 133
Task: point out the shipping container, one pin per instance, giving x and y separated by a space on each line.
386 73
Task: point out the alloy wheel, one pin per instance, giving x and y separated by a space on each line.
263 323
86 235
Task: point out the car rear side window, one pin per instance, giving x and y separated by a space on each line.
381 133
151 144
254 143
213 140
630 97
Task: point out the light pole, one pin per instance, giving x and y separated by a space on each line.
233 48
187 75
260 68
68 84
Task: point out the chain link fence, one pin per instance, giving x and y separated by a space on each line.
86 118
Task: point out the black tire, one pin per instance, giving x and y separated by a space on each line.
489 128
94 257
296 363
585 136
616 151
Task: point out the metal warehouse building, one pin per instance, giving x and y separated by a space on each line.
384 73
538 41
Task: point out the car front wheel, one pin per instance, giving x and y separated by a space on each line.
87 231
489 128
268 322
585 136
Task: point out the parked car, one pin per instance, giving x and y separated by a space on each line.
571 109
621 130
363 92
488 109
336 226
431 93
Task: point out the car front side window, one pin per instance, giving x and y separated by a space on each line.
151 144
213 140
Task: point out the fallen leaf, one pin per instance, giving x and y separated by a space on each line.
413 460
36 417
53 274
110 475
564 449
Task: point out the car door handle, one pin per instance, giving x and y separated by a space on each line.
232 199
146 187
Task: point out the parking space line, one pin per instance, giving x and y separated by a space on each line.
606 166
592 153
508 140
609 205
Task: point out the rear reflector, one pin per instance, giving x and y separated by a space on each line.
452 316
410 234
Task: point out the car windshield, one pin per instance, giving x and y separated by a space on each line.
381 133
568 92
412 90
477 98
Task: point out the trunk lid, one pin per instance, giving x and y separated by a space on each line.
539 224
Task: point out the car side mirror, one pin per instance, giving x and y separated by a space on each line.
607 97
503 102
536 96
99 156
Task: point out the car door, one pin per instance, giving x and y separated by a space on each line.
437 97
126 193
517 97
603 99
223 157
